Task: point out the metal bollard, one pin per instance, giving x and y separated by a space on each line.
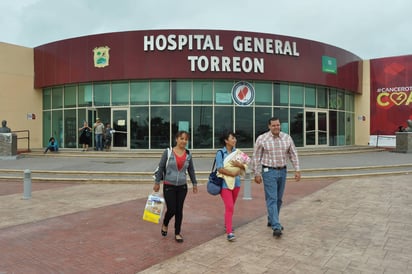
247 188
27 185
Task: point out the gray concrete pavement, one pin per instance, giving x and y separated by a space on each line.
354 225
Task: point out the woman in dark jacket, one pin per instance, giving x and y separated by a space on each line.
85 137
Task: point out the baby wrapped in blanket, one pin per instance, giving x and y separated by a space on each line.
238 156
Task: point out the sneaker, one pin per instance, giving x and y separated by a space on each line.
277 232
231 237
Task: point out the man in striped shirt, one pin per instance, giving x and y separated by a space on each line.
271 152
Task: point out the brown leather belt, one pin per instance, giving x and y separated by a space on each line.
274 167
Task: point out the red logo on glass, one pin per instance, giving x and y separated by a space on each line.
243 93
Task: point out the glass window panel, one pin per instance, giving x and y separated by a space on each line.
182 92
120 93
104 114
296 126
202 127
349 128
46 127
333 127
283 115
340 100
349 102
202 92
159 92
181 120
223 92
322 128
70 96
57 126
81 117
310 96
139 92
296 95
280 94
57 97
262 116
160 127
139 127
322 97
310 125
47 99
263 93
223 122
244 127
85 95
332 99
70 129
341 128
102 94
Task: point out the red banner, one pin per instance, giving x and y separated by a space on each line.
391 94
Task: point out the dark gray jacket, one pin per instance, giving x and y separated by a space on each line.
172 174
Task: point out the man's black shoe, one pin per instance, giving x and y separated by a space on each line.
277 232
270 225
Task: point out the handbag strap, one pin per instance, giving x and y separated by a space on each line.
214 162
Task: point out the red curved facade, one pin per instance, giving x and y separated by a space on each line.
195 54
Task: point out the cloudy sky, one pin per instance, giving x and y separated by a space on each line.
367 28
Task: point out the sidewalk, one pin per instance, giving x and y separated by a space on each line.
361 225
351 226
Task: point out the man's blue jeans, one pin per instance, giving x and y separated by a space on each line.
99 141
274 181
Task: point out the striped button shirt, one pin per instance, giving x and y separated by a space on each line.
274 151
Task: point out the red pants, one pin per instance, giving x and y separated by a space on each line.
229 199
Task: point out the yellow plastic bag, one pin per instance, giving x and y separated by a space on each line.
154 208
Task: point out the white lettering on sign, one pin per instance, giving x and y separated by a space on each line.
205 42
226 64
178 42
260 45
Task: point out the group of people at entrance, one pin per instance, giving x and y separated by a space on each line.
272 150
103 137
102 134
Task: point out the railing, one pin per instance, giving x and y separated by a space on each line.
26 136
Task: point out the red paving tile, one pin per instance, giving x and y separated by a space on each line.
115 239
15 187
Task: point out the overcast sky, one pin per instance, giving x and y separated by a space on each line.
367 28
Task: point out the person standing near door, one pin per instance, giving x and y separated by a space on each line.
85 137
98 134
271 152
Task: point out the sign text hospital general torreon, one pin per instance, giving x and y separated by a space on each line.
214 63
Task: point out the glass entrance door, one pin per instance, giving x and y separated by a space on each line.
316 133
120 123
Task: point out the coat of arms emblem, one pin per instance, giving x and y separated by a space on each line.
101 57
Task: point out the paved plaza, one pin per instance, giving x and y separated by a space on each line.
332 225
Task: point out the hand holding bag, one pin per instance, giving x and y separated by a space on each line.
214 184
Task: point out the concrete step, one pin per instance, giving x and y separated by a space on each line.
137 167
113 177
